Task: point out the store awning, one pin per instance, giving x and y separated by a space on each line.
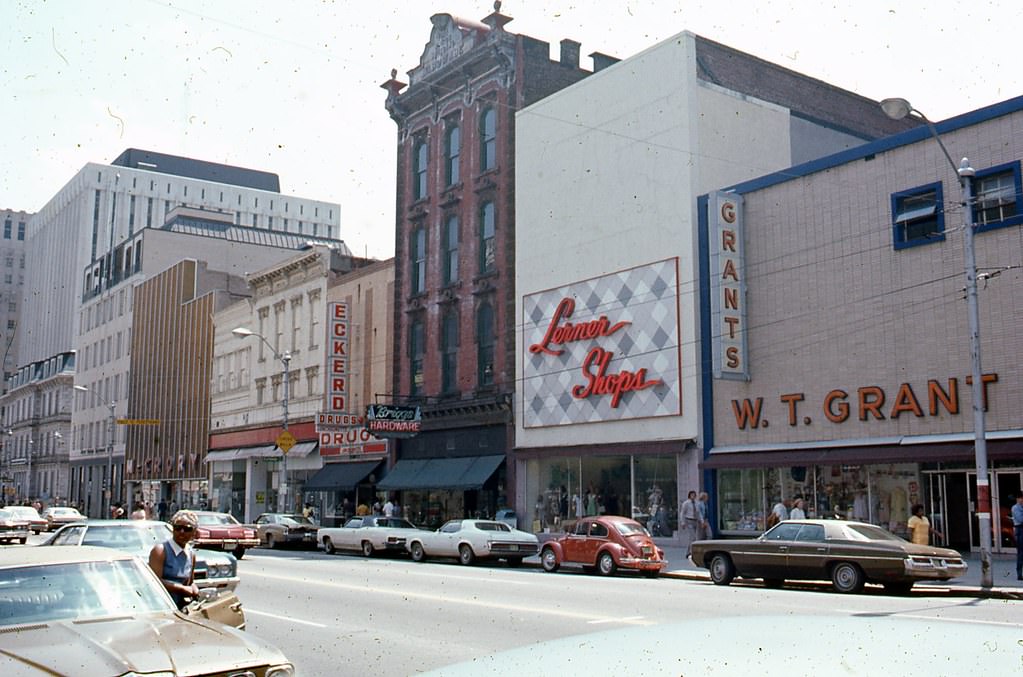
301 449
945 452
341 476
466 472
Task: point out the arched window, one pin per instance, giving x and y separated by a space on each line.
417 256
485 345
452 151
487 227
420 155
451 250
488 139
449 352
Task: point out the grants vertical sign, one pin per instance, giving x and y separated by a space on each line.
604 349
728 287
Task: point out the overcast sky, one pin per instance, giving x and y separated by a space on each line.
293 87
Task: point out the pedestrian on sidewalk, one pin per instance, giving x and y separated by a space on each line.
703 510
689 520
920 527
1017 532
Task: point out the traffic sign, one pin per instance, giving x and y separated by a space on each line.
285 441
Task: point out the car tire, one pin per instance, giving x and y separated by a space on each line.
722 571
774 582
367 549
23 541
549 560
417 552
650 573
465 554
238 552
514 561
846 577
606 564
270 543
328 546
898 587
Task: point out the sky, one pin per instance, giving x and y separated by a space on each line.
293 86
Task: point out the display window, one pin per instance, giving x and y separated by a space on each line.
638 486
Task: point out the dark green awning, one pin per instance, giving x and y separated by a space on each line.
340 476
465 472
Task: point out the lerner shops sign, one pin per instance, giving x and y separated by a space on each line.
603 349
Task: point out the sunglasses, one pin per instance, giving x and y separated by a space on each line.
183 527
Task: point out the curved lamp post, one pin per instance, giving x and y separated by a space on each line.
285 359
898 109
110 448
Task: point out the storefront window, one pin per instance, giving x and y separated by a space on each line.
566 488
878 494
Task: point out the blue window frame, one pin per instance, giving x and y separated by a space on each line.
451 250
918 216
488 139
452 152
418 260
996 193
420 162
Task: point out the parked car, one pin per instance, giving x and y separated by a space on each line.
212 569
12 528
99 611
276 528
30 515
607 543
368 535
472 539
848 553
221 531
57 517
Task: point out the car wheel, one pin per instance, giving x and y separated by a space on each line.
651 573
774 582
270 543
549 560
367 549
465 554
606 564
898 587
328 546
847 577
23 541
238 552
417 552
514 561
722 571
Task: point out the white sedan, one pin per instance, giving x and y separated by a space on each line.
367 534
472 539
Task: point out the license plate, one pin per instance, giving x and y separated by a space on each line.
513 547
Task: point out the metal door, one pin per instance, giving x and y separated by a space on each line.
1007 484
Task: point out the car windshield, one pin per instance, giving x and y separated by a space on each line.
295 519
629 528
215 520
127 537
65 511
867 532
24 511
84 590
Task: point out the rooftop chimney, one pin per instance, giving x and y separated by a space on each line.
602 61
570 53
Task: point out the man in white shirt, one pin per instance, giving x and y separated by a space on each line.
389 508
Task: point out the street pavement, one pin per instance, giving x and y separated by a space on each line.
1003 569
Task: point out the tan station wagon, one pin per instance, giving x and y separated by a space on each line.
848 554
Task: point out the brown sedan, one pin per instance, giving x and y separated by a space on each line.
848 554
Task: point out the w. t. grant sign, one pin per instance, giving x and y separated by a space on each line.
603 349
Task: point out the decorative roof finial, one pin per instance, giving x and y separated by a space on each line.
497 5
394 72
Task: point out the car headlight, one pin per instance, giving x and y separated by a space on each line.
285 670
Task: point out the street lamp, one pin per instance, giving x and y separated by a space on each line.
110 447
898 109
285 359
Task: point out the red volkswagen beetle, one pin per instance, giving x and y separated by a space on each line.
605 543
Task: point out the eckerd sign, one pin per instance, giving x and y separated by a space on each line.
388 420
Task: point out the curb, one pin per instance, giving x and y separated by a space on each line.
919 590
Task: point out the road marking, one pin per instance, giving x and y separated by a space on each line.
630 619
957 620
283 618
448 600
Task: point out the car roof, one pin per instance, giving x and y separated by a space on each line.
58 554
127 524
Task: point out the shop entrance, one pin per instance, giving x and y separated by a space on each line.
954 501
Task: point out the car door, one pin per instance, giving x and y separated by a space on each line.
808 553
445 544
574 545
767 556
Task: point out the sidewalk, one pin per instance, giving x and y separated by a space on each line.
1005 585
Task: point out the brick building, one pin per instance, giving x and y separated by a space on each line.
454 339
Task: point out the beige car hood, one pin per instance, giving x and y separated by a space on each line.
153 643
